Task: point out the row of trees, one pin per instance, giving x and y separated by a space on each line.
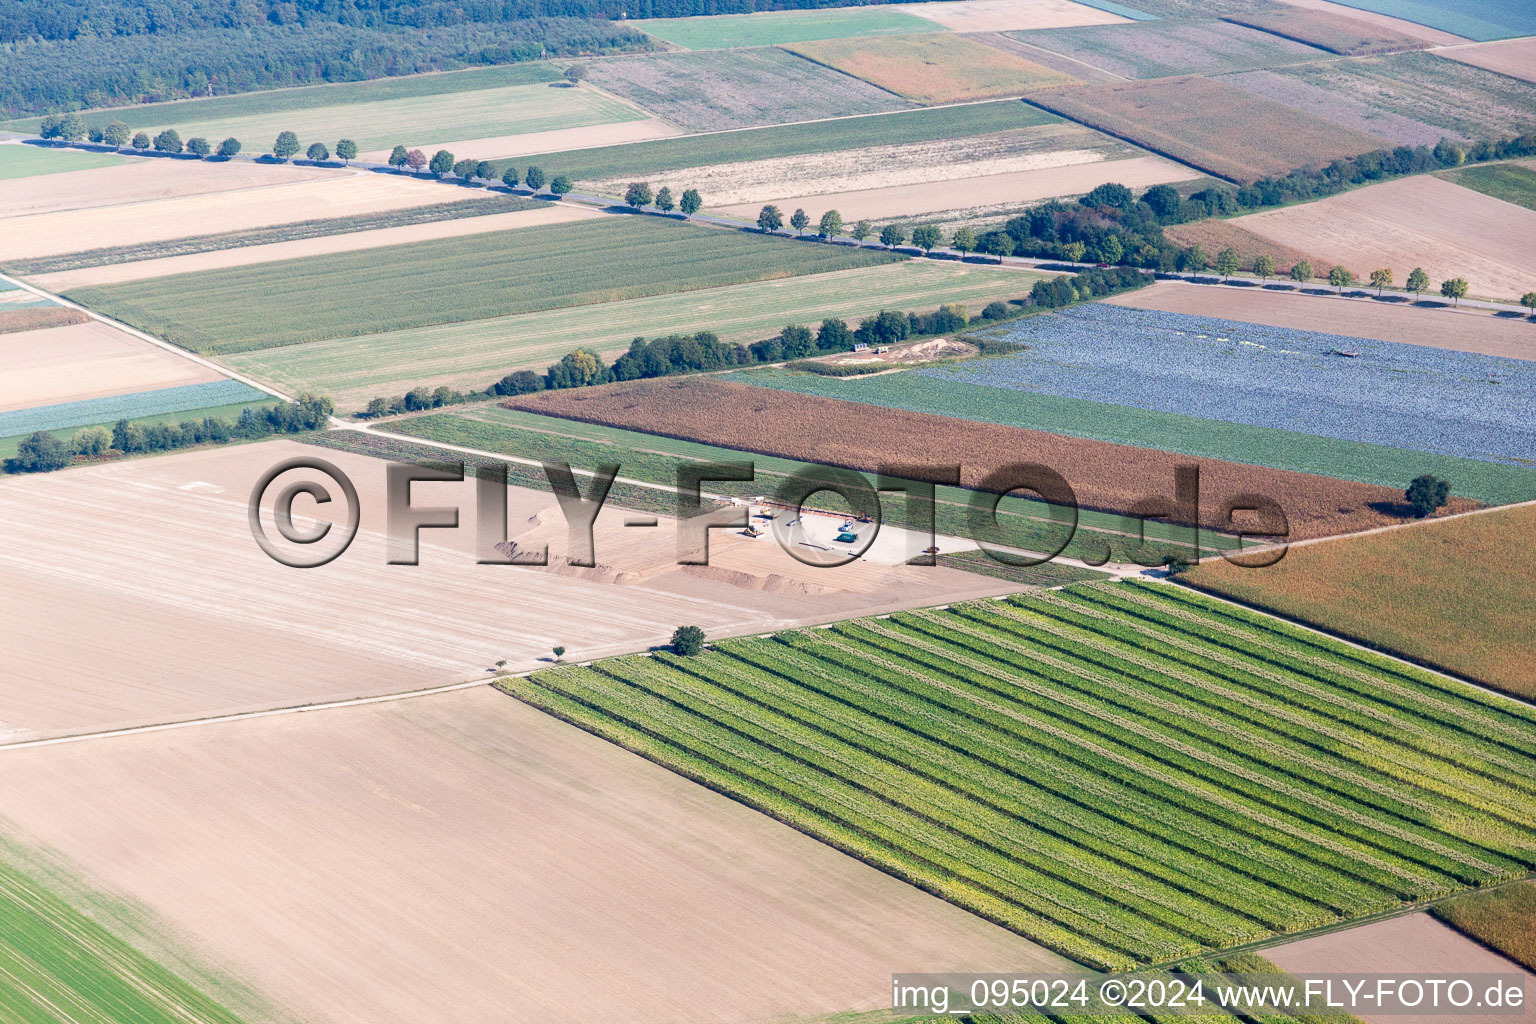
1229 262
42 452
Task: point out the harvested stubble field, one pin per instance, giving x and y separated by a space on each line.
299 194
1455 595
1336 33
1005 15
1465 330
22 161
1500 918
1383 22
711 91
477 353
770 28
142 181
933 68
1208 124
455 280
1458 99
1420 221
282 849
1353 110
1105 477
750 145
39 318
1157 49
1511 182
1513 57
1258 799
1214 235
86 359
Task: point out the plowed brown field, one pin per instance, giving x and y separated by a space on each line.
1108 477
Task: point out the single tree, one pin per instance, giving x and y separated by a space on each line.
1455 289
346 149
71 128
559 652
465 168
140 141
575 73
691 202
997 243
687 640
116 135
1381 278
770 218
1074 252
964 241
534 178
41 452
560 184
1264 266
485 170
416 160
442 163
376 407
1227 262
1301 271
168 141
317 152
891 236
831 224
198 146
510 178
1427 493
664 201
229 147
1110 249
1341 277
800 220
1418 281
638 195
861 230
397 156
926 237
1195 259
1528 300
286 145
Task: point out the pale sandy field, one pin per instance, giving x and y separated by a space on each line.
140 181
1513 57
1006 15
337 194
144 597
1407 28
554 140
1465 330
1423 221
1416 945
91 360
116 273
979 194
464 857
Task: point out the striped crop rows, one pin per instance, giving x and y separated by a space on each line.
1126 773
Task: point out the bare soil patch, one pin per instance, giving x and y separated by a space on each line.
141 181
86 360
465 857
1215 235
1105 476
1006 15
1208 124
334 195
1337 33
14 320
116 273
1411 944
1464 330
555 140
979 195
1513 57
145 598
902 355
1424 221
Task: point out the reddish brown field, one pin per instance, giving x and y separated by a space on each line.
13 320
1334 32
1216 235
1208 124
1108 477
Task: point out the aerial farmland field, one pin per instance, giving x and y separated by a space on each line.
18 161
1513 57
770 28
451 280
932 68
1494 19
1336 33
1511 182
1157 49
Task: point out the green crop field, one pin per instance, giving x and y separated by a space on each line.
771 28
477 353
455 279
1125 773
654 459
18 161
1489 482
58 963
1157 49
1513 183
899 128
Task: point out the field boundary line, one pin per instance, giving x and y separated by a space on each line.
1262 549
